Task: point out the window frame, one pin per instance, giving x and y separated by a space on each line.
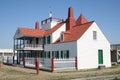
94 35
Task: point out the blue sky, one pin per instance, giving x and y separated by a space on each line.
24 13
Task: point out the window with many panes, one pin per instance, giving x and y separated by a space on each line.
61 54
44 40
61 37
94 35
65 54
52 53
48 54
48 39
56 54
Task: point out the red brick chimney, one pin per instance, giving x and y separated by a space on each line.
37 26
81 20
70 21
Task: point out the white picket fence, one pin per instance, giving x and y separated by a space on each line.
46 64
7 60
61 64
43 63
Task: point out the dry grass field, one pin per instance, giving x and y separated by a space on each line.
18 73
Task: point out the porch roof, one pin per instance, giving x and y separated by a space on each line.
31 32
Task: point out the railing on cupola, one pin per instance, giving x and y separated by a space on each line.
51 19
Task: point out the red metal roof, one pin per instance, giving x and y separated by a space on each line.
76 32
31 32
50 31
77 29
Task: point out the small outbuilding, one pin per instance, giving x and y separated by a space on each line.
115 53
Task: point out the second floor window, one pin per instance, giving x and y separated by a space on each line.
61 37
37 40
94 35
44 40
48 39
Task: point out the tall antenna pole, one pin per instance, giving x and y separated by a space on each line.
50 14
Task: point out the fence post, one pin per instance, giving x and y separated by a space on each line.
13 60
37 65
52 67
0 63
76 63
3 59
24 61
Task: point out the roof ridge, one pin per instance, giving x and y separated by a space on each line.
54 28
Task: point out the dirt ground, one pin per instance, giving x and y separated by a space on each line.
18 73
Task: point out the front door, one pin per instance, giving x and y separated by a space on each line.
100 56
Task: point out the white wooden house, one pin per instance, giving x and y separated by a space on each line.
62 40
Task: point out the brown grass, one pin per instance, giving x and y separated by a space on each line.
18 73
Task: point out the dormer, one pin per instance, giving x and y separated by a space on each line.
50 23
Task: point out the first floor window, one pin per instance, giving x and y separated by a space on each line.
61 54
52 53
48 54
57 54
65 54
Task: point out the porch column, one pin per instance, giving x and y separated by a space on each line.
24 42
37 64
24 61
17 44
20 43
14 44
13 56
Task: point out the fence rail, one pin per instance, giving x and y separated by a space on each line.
46 63
59 64
7 60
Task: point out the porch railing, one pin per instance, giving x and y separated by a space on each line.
21 46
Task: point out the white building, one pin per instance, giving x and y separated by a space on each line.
6 54
63 40
115 53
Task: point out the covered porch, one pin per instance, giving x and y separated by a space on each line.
28 43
